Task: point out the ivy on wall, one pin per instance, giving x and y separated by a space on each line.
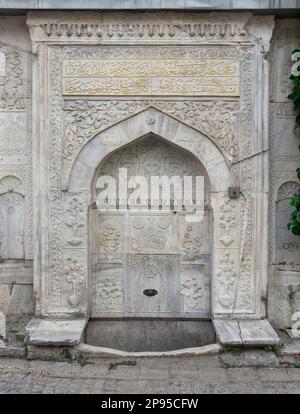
294 225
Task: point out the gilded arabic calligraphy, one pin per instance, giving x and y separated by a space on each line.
152 76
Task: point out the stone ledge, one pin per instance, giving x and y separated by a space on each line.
250 359
11 351
245 333
55 332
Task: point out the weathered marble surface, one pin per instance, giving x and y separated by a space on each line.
134 251
2 325
56 332
228 332
83 132
284 248
16 217
67 137
16 290
258 333
149 335
247 333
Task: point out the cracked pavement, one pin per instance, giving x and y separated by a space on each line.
204 375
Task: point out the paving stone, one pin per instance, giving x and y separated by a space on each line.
42 377
123 372
154 373
241 375
294 374
292 348
273 375
249 359
12 352
192 373
287 388
244 388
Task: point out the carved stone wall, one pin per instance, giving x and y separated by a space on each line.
284 248
99 81
16 291
135 251
79 120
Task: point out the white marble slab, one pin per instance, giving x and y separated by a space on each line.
57 333
254 333
258 333
228 332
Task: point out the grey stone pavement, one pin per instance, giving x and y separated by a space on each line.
203 375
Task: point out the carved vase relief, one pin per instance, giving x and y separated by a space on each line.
149 262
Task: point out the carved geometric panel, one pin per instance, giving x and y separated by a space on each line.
157 274
152 233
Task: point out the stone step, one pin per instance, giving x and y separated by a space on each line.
7 351
55 332
245 332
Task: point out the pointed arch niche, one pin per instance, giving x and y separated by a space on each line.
115 277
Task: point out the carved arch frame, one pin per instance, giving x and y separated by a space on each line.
99 147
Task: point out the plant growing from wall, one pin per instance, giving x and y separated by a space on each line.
294 225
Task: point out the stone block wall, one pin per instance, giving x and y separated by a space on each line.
16 285
284 248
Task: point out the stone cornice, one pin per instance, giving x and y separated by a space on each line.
138 27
